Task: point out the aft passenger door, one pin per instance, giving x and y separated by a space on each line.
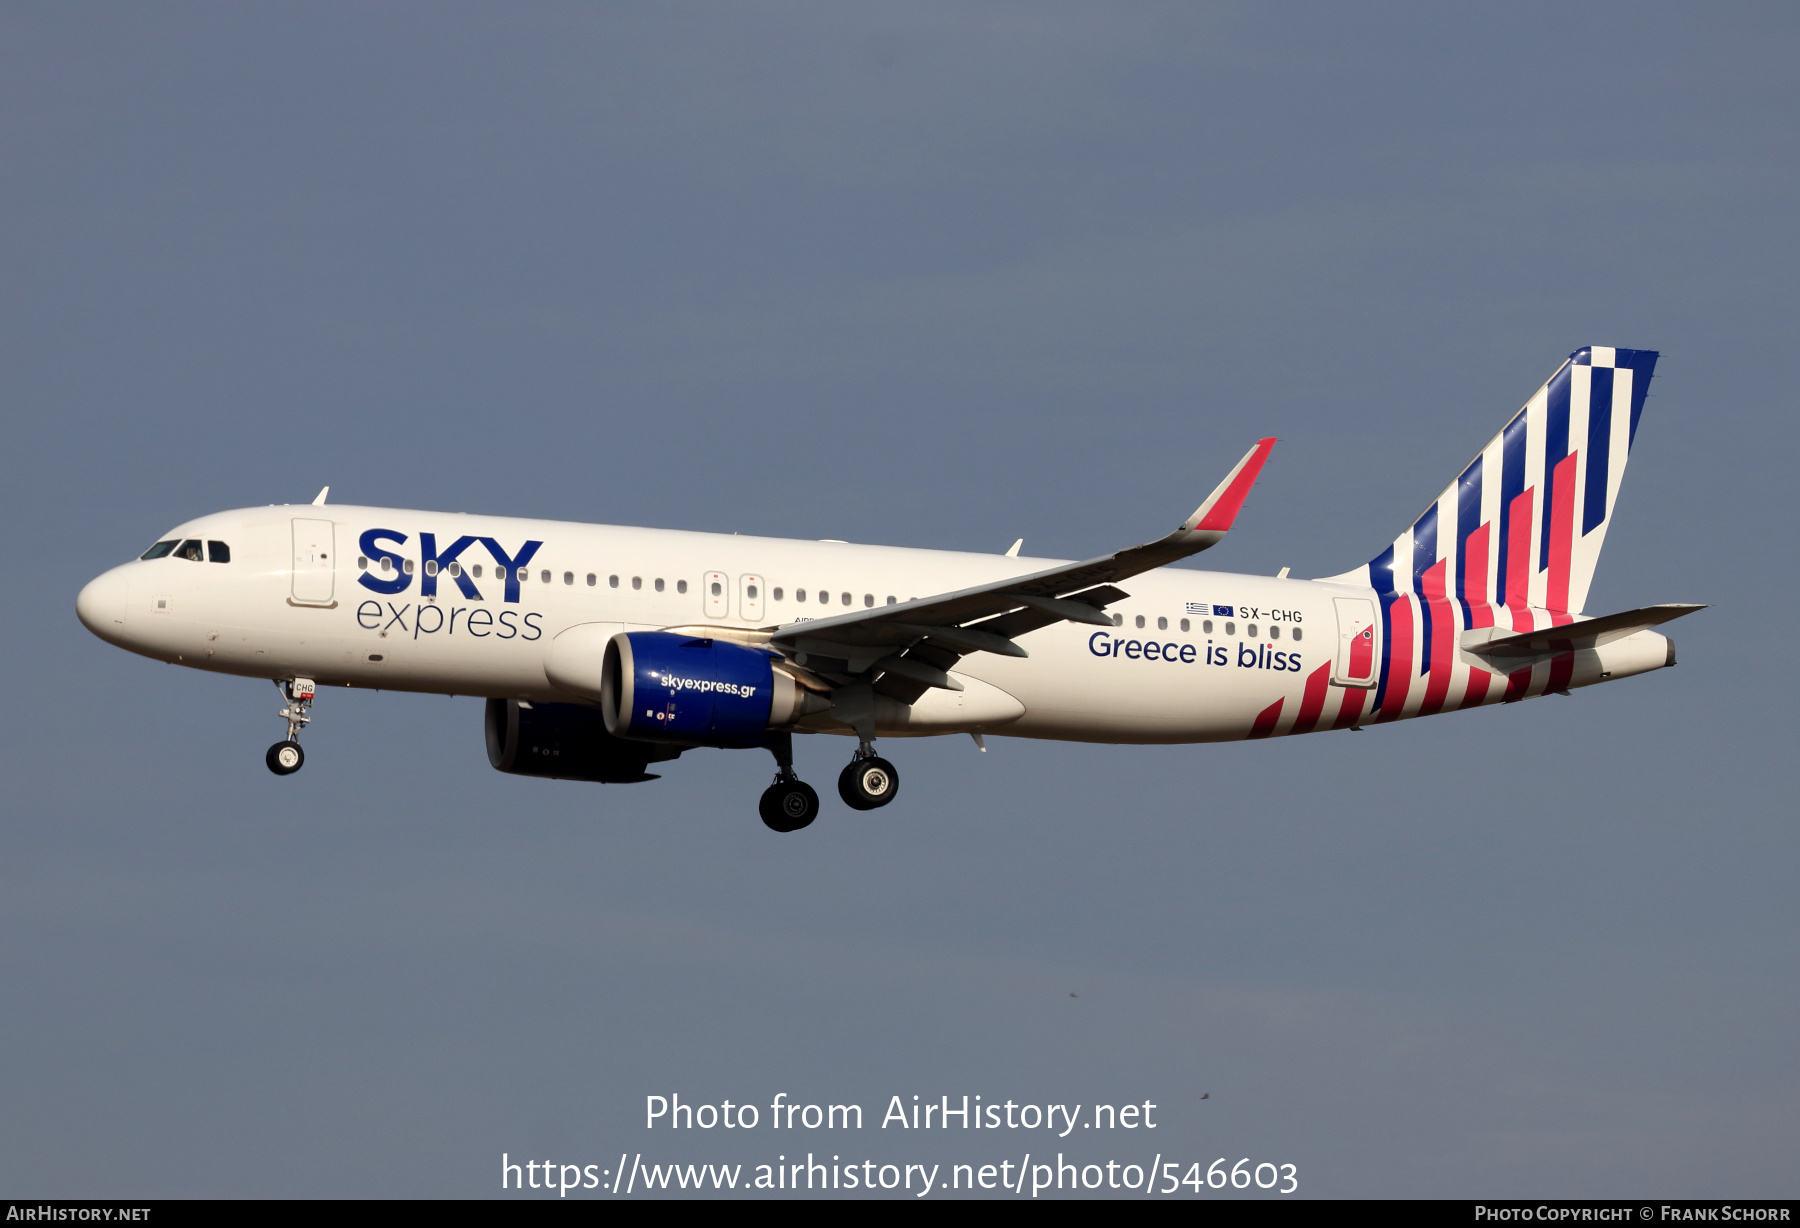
1356 660
315 562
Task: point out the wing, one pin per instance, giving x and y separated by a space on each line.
913 644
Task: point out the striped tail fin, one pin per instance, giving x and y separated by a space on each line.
1522 526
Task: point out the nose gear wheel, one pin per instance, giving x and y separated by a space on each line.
285 757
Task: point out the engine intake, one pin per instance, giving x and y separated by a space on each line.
565 742
666 687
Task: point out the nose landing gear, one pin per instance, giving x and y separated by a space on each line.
285 757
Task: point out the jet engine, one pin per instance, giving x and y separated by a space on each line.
662 686
565 742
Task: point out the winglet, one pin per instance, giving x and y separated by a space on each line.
319 499
1221 507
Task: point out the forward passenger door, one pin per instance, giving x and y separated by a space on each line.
315 562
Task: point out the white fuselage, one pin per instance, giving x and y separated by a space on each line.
1178 668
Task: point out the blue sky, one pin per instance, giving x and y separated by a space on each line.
923 274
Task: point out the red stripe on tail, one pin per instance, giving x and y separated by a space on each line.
1351 709
1400 658
1312 701
1518 559
1475 579
1265 720
1517 684
1480 683
1443 632
1562 532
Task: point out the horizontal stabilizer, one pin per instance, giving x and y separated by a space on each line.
1498 642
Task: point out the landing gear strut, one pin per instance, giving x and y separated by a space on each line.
869 782
285 757
790 803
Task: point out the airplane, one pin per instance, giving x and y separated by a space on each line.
603 650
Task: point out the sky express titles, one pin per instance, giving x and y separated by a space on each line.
432 560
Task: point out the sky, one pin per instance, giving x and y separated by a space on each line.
925 274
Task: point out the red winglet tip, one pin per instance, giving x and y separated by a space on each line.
1223 513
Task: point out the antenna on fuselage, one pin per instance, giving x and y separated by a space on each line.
319 499
1014 552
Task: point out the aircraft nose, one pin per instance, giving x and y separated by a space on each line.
101 604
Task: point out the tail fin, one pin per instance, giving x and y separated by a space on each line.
1523 524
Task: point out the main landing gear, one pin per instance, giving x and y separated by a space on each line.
790 803
868 782
285 757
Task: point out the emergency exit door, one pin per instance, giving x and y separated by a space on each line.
315 562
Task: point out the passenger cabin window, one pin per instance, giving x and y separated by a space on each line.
717 588
160 549
1230 628
406 566
868 600
431 567
891 601
592 579
846 599
1184 624
1207 626
190 550
751 592
1162 624
659 584
681 587
499 572
1296 633
1252 630
477 570
1140 620
362 563
778 594
544 576
1274 633
568 577
456 569
1118 620
612 582
799 595
219 552
637 582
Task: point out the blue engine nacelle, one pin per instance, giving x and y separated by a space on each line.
660 686
565 742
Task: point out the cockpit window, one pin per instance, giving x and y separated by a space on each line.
190 549
218 552
159 550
